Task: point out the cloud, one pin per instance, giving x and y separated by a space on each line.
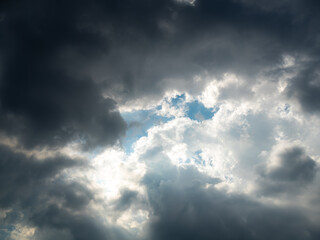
185 208
127 198
36 192
241 137
80 226
245 75
288 171
305 87
61 75
117 51
42 102
22 177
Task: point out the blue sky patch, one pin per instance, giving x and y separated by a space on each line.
140 121
178 99
138 124
197 111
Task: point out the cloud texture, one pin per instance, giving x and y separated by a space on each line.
171 119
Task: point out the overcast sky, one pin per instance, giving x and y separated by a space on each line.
159 120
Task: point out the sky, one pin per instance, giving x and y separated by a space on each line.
159 120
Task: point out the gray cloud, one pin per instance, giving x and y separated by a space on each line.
56 66
128 197
38 196
66 65
306 87
42 102
293 170
195 211
81 226
20 175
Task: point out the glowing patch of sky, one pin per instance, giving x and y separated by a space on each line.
179 99
197 111
138 124
141 120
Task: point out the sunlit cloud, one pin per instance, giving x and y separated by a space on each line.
173 119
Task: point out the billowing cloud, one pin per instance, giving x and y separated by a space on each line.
189 210
43 103
173 119
129 57
38 198
288 171
21 175
305 87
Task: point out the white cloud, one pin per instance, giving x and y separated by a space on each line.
251 123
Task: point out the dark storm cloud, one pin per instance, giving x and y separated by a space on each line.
295 166
128 197
306 87
58 58
192 210
81 226
292 172
211 37
41 101
21 176
38 196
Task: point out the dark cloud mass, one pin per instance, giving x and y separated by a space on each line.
38 196
66 67
189 209
42 102
128 197
57 57
20 174
306 87
294 166
292 170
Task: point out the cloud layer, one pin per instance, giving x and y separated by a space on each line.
170 119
